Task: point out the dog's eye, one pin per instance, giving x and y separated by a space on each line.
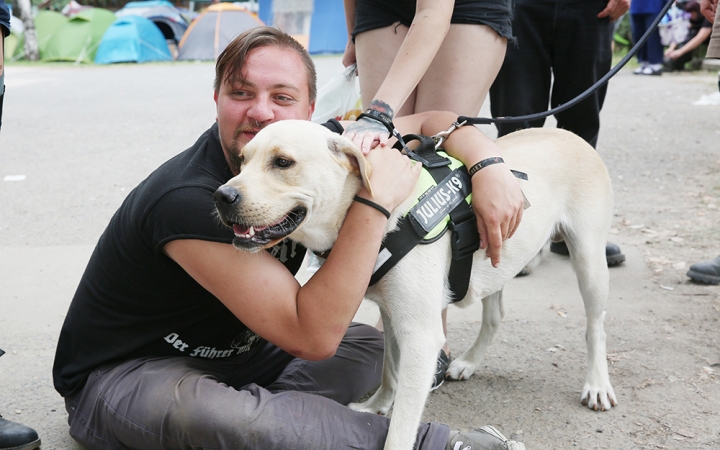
283 163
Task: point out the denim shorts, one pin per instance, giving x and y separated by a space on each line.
497 14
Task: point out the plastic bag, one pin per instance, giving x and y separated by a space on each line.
674 27
339 98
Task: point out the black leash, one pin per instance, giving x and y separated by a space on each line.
581 97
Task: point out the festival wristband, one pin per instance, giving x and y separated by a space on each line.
484 163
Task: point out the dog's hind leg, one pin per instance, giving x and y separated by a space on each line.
463 367
587 255
381 401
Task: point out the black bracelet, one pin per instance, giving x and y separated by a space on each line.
378 116
484 163
364 201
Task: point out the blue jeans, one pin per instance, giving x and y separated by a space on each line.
652 51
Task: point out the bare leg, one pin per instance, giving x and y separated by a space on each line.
460 76
376 51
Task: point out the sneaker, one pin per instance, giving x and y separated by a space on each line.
484 438
707 272
650 71
443 361
640 68
14 436
613 254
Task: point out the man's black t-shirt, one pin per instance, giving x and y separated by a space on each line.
133 300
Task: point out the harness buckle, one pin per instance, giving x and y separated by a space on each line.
429 159
465 238
441 136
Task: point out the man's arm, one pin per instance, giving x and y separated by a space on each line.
306 321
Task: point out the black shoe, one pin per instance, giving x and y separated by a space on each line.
706 271
14 436
443 361
612 252
484 438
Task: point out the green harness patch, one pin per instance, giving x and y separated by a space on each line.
431 209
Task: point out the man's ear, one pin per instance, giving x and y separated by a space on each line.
311 110
345 150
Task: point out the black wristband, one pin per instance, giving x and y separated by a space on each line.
484 163
364 201
378 116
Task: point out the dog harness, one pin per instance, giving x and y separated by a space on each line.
443 206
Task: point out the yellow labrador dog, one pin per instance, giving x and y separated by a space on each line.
571 197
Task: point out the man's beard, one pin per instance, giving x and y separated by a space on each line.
235 154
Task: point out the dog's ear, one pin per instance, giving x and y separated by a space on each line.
345 150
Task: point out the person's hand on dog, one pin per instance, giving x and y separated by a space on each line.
367 134
393 177
498 205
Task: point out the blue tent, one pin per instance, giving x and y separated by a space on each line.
327 33
163 13
132 39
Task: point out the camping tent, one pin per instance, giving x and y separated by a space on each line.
165 16
78 39
132 39
213 30
46 24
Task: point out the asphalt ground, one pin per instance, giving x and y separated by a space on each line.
76 139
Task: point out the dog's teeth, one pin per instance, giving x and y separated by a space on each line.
251 231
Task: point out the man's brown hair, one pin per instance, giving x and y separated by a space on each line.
231 61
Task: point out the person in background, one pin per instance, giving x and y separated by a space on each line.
708 272
427 55
676 55
650 54
563 48
13 435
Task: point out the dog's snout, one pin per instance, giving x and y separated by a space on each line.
226 196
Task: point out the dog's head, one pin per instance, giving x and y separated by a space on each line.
297 179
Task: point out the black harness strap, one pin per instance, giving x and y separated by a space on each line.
465 239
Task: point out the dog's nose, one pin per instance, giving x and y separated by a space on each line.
226 196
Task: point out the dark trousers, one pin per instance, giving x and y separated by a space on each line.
273 401
652 51
562 49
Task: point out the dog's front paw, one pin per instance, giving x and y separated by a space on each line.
598 397
460 370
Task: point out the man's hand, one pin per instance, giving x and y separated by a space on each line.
393 177
708 8
615 9
498 204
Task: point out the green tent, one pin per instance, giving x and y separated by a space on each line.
78 39
46 24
